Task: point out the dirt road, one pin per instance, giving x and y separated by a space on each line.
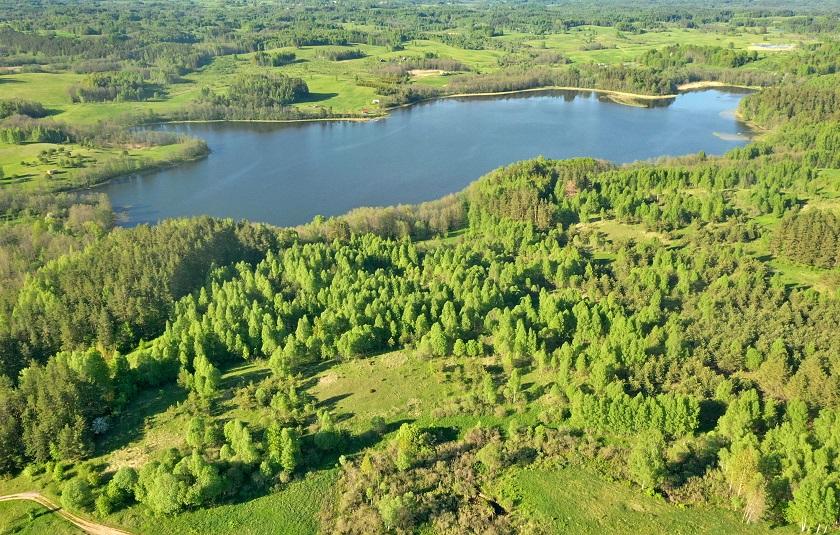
85 525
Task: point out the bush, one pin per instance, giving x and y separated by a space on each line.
76 495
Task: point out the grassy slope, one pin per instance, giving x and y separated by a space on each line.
28 518
22 168
398 387
291 511
574 500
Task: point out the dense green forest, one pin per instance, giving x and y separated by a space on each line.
666 330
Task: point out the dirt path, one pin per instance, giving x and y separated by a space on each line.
85 525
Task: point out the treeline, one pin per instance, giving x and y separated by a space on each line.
615 78
339 54
277 59
33 46
44 227
676 56
416 221
109 86
261 90
18 129
816 100
34 110
809 237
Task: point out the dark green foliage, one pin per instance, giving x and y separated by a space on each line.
22 129
276 59
809 237
339 54
122 287
817 99
11 446
266 90
59 402
675 56
108 86
21 107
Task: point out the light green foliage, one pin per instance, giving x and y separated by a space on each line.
76 494
206 378
815 504
611 306
397 511
411 444
242 445
283 447
646 461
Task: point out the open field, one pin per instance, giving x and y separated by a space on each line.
577 500
31 166
28 518
293 510
335 85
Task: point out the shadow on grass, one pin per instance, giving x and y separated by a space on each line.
442 434
129 424
317 97
330 402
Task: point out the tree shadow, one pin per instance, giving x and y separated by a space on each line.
317 97
330 402
131 420
441 434
710 413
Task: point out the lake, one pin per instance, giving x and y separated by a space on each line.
285 174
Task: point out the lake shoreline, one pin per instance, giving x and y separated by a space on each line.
284 175
622 97
152 167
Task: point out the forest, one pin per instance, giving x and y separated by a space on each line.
565 346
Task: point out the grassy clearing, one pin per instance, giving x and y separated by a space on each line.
23 167
291 511
396 386
616 231
29 518
575 500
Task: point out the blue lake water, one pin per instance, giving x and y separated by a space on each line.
285 174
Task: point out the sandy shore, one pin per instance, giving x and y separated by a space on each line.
637 96
710 84
619 97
